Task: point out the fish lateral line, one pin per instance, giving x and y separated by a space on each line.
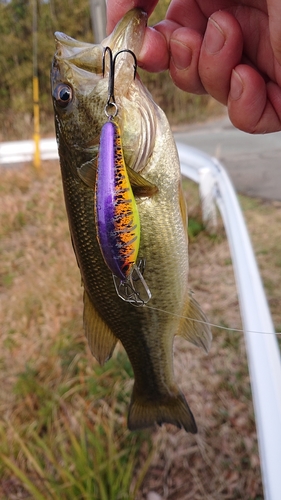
239 330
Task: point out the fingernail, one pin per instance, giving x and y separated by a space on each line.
181 55
214 38
236 86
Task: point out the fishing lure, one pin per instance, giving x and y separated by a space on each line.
116 211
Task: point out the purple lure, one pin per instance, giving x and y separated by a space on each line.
117 218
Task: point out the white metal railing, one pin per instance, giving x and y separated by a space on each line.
23 151
262 348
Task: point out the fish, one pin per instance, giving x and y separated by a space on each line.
146 329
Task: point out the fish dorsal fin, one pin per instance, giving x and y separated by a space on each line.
195 327
101 339
140 186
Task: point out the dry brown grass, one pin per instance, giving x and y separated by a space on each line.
41 335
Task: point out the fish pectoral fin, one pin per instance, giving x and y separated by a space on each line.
170 409
101 339
87 173
195 327
141 186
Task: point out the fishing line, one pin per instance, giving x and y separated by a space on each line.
208 323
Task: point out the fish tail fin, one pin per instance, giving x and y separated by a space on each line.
172 409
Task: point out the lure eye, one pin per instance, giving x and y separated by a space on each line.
63 94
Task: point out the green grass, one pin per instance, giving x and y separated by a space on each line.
195 227
69 439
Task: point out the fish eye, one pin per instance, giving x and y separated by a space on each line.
63 94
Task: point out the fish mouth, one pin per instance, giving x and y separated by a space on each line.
75 59
71 52
128 34
70 45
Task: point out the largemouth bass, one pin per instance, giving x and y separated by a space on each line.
80 92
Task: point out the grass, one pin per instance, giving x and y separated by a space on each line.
63 432
62 454
67 437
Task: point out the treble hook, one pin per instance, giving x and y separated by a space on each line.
112 61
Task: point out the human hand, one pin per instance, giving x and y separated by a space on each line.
231 51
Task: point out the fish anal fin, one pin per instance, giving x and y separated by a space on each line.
141 186
169 409
194 326
101 339
87 173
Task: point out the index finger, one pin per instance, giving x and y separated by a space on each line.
116 9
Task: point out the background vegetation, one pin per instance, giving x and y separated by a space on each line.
16 65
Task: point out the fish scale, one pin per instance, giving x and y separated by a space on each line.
150 155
